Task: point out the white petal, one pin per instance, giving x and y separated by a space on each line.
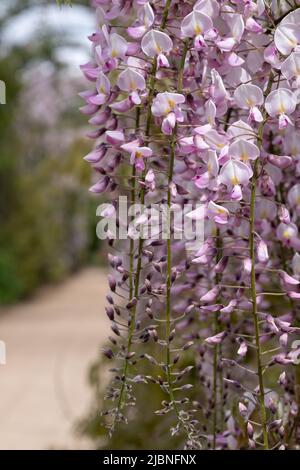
195 23
247 96
234 173
130 80
291 66
241 129
154 42
243 150
294 195
208 7
103 84
281 101
148 15
118 46
286 37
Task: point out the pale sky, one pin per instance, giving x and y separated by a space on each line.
74 23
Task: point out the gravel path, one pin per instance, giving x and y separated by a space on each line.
50 341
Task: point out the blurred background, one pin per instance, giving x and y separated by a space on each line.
52 267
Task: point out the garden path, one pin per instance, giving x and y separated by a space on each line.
50 342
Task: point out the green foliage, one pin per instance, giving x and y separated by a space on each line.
64 2
48 233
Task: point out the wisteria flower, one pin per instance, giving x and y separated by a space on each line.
132 81
196 25
288 234
166 105
243 150
145 21
234 174
217 213
249 96
287 37
137 154
294 197
204 179
216 76
157 44
290 68
236 26
280 103
103 89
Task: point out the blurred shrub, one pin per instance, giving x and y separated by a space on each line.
49 232
47 215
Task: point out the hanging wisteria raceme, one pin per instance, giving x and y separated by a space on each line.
194 108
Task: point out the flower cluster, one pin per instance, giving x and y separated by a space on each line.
198 102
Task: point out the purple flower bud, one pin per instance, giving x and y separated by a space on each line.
110 313
250 430
115 329
131 303
262 252
242 351
108 353
221 265
282 379
100 186
210 296
216 339
284 215
283 340
287 279
243 410
112 283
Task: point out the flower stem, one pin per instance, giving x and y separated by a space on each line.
217 352
218 348
169 240
253 280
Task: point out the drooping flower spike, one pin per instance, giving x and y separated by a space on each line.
192 106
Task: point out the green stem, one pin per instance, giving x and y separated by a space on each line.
217 351
254 310
169 241
253 280
218 348
165 14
